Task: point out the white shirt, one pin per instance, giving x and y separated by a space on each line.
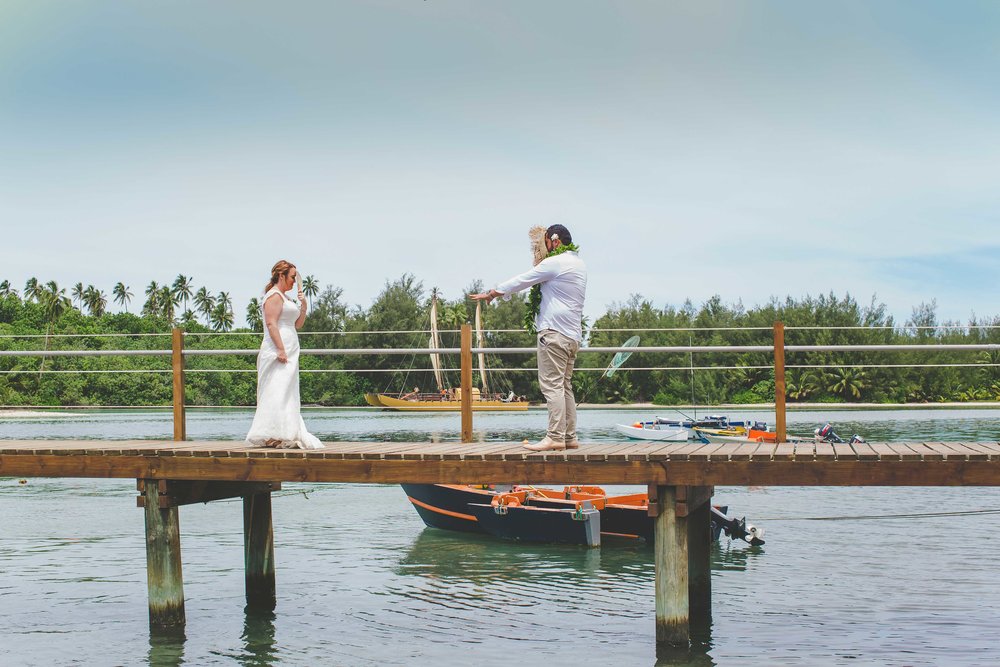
564 286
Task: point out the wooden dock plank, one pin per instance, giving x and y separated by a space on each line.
728 449
785 451
842 450
926 453
679 451
806 451
982 450
864 451
884 451
703 451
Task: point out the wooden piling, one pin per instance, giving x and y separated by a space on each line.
177 359
700 564
671 569
258 551
466 383
163 561
779 382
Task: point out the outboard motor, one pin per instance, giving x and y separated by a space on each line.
825 433
857 438
737 528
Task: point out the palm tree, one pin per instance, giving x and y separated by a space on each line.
168 303
847 382
54 303
77 294
802 383
6 290
222 318
310 287
122 295
182 289
225 301
188 318
32 290
204 302
152 305
254 317
96 300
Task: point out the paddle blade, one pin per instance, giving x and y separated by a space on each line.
621 357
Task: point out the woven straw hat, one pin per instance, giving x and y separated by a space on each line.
538 251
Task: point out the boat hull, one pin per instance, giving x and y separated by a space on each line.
540 524
657 432
392 403
464 508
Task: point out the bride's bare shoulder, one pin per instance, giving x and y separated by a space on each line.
273 297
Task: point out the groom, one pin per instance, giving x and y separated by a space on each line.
561 279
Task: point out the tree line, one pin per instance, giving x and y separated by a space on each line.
46 311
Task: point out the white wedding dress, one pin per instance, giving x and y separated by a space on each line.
278 419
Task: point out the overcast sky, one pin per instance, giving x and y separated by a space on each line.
693 148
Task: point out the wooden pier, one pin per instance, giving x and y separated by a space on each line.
680 477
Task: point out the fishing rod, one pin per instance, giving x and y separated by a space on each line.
616 363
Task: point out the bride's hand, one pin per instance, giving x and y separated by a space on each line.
282 357
302 298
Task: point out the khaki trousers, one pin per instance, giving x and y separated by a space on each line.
556 356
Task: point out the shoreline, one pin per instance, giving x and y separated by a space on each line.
35 411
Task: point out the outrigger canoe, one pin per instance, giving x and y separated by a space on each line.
575 515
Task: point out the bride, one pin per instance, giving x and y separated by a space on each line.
277 422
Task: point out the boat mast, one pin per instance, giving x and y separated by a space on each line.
480 344
435 343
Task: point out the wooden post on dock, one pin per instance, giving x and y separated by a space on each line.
671 568
258 550
466 382
163 560
177 357
779 382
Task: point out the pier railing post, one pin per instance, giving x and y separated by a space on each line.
671 569
466 383
779 382
177 359
258 551
163 560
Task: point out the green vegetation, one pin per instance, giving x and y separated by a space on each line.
44 312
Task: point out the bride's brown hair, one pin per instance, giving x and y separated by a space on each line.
277 271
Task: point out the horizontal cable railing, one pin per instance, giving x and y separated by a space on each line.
668 349
184 350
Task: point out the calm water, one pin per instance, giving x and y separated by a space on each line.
362 582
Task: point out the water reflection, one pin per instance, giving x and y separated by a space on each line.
166 647
695 655
734 555
447 555
259 648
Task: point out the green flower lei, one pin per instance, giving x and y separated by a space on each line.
535 295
